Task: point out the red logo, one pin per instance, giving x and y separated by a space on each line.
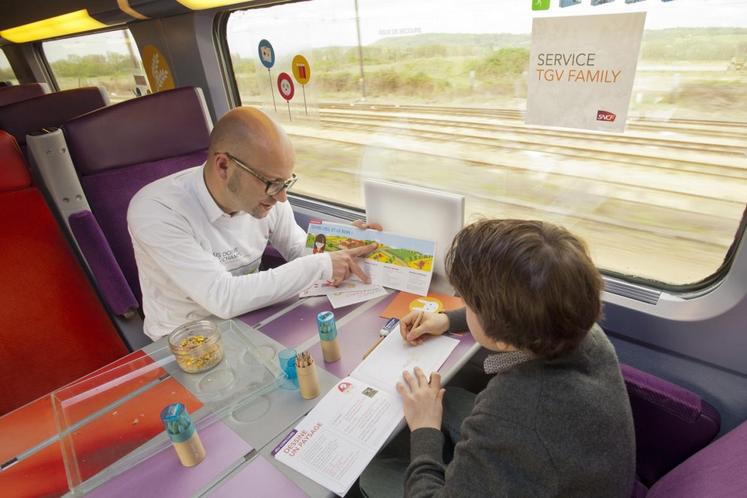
605 116
344 386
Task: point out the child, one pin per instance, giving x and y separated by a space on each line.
554 418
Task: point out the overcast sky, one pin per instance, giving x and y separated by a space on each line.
320 23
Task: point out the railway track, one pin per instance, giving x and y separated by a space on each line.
667 195
723 161
720 128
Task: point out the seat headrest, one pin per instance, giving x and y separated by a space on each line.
14 173
17 93
50 110
158 126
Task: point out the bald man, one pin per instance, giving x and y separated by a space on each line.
199 234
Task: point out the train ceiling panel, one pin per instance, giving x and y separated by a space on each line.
43 19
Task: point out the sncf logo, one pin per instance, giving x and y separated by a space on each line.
605 116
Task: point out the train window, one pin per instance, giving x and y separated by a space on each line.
109 59
6 72
433 92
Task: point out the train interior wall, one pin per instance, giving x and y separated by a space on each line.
682 342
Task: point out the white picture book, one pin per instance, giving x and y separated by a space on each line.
335 442
400 262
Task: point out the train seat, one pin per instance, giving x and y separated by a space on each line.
121 148
718 470
55 329
17 93
50 110
671 423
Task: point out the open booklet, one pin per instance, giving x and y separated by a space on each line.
400 262
335 442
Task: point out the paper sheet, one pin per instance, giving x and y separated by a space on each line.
335 442
385 364
346 298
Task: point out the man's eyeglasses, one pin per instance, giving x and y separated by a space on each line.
272 187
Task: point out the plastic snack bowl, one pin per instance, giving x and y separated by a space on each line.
197 346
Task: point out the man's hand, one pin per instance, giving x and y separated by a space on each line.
422 401
343 263
412 330
362 225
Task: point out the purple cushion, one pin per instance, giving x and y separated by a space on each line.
109 195
106 271
158 126
718 470
49 110
639 490
671 423
271 258
17 93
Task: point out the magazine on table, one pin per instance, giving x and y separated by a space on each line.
399 262
335 442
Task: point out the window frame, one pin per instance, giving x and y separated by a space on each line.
39 48
684 291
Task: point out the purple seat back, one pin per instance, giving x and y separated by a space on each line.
718 470
671 423
121 148
17 93
50 110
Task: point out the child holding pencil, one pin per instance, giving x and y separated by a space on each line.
553 418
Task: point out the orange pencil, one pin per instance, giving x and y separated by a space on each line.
378 341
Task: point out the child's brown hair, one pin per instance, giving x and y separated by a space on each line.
531 284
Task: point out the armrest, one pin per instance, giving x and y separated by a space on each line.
106 271
671 423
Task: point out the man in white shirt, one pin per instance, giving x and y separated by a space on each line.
199 234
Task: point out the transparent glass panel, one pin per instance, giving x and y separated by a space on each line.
6 72
433 93
109 59
109 421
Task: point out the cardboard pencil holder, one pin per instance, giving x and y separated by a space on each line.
331 350
308 381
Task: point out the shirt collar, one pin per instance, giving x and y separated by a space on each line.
213 211
500 362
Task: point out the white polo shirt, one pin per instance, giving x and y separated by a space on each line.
194 260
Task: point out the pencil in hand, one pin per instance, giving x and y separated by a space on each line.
373 346
415 324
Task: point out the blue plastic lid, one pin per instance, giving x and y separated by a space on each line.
177 422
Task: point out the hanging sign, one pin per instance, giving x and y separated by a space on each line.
581 70
302 73
286 88
267 58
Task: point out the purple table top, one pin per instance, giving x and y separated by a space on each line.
355 338
299 324
254 317
163 476
259 478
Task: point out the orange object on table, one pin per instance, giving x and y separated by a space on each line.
406 302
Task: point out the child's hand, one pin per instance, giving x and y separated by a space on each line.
422 401
412 330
